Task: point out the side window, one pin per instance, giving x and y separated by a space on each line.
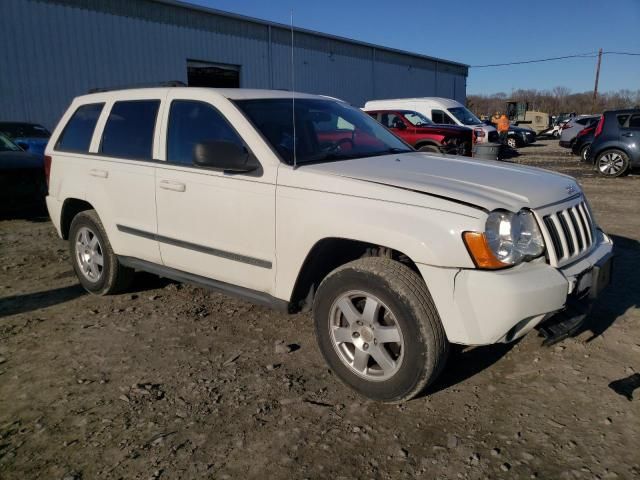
438 116
76 136
635 121
192 122
622 119
129 129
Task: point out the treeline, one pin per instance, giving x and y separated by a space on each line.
555 101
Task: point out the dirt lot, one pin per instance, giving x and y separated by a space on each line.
172 381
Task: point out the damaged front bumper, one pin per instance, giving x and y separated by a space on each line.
479 307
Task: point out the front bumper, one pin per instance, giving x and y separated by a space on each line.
479 307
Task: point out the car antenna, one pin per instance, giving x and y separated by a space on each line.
293 97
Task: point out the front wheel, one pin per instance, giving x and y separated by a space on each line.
512 142
378 329
96 265
612 163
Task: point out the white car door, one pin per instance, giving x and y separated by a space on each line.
121 178
211 223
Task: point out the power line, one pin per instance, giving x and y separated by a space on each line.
551 59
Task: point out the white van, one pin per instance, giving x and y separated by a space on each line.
439 110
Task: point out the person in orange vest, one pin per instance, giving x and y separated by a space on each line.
503 128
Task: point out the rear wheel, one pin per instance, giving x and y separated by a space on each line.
94 261
612 163
512 142
584 153
378 329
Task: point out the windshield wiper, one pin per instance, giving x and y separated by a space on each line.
387 152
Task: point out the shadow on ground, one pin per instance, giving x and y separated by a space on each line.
30 302
624 291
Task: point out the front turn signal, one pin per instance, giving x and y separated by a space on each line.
481 252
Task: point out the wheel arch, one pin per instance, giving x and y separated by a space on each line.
330 253
70 208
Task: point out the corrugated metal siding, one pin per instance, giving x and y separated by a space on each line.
57 49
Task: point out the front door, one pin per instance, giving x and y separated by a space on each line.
211 223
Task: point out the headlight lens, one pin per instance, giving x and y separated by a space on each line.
513 237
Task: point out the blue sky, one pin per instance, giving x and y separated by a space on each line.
481 32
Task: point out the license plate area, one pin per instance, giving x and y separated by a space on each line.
601 276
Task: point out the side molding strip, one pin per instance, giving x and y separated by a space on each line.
252 296
256 262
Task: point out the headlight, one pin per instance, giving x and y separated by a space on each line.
508 239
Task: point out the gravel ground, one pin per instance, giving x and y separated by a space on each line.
172 381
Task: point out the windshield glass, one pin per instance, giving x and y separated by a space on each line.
417 119
325 130
7 145
24 130
464 116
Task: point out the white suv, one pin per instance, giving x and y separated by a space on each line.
398 253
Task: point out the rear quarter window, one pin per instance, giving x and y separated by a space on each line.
77 133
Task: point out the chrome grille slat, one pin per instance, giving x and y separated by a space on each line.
578 229
570 232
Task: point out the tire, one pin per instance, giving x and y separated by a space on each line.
556 133
512 142
584 153
88 247
406 317
612 163
429 149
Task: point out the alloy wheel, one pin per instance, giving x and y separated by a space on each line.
611 163
89 254
366 335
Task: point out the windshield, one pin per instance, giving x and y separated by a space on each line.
7 145
417 119
464 116
325 130
23 130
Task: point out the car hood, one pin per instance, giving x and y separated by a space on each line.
480 183
443 129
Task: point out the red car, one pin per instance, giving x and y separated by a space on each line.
424 135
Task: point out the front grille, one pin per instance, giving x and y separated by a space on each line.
571 232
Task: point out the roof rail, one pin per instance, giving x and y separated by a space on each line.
170 83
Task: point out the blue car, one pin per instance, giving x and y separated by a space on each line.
615 149
28 136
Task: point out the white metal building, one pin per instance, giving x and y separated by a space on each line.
53 50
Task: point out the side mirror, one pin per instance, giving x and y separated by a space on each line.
223 155
23 145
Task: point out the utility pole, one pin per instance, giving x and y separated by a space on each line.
595 89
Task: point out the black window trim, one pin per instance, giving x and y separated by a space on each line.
166 161
56 147
99 153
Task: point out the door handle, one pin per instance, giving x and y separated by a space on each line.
174 186
627 134
95 172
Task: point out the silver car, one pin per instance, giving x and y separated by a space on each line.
574 126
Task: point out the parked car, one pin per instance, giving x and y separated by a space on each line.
22 179
575 125
615 149
582 143
517 136
29 136
396 252
424 135
443 111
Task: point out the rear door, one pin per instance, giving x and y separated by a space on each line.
121 178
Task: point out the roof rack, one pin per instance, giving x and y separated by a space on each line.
170 83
